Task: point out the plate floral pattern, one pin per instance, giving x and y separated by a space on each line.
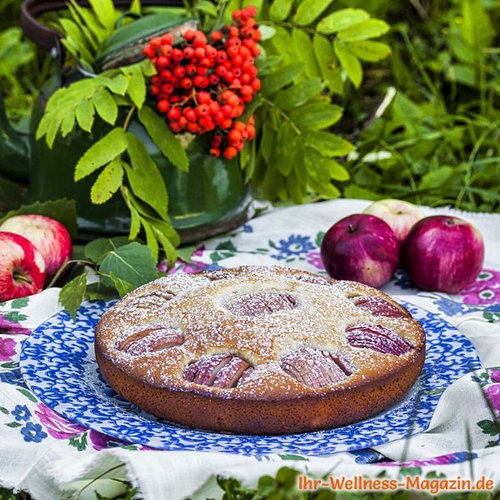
58 365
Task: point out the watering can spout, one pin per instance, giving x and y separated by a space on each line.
14 149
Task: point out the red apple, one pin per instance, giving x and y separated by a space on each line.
400 215
22 269
49 236
360 247
443 254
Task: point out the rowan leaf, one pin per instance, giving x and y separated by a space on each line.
330 71
85 115
280 9
304 46
309 10
328 144
107 183
349 62
342 20
101 153
370 51
106 106
137 84
371 28
118 84
281 78
144 176
316 115
105 12
164 138
298 94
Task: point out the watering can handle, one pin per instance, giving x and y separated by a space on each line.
48 39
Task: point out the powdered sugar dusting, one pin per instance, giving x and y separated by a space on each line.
302 312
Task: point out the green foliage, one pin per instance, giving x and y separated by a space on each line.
119 265
123 162
87 29
438 142
296 147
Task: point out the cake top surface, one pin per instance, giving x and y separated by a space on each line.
257 332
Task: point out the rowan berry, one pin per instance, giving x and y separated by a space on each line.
191 70
202 110
155 42
230 152
167 88
167 39
149 51
189 35
154 89
174 113
215 152
200 40
188 52
201 81
234 135
166 50
216 36
163 106
180 71
177 55
193 127
186 83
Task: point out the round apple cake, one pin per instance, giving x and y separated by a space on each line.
259 350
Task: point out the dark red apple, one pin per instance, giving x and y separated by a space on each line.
360 247
22 269
443 254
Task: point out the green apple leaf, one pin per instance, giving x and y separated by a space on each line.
132 263
97 250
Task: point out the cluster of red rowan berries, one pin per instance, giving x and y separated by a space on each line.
203 85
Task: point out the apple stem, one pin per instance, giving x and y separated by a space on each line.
350 229
20 276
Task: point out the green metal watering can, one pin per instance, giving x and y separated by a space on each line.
212 198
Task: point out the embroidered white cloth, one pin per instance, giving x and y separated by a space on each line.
44 453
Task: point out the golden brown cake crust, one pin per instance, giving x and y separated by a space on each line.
275 331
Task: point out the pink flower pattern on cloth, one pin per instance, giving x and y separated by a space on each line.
485 290
61 428
7 349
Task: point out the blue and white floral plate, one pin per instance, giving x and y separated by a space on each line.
59 366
